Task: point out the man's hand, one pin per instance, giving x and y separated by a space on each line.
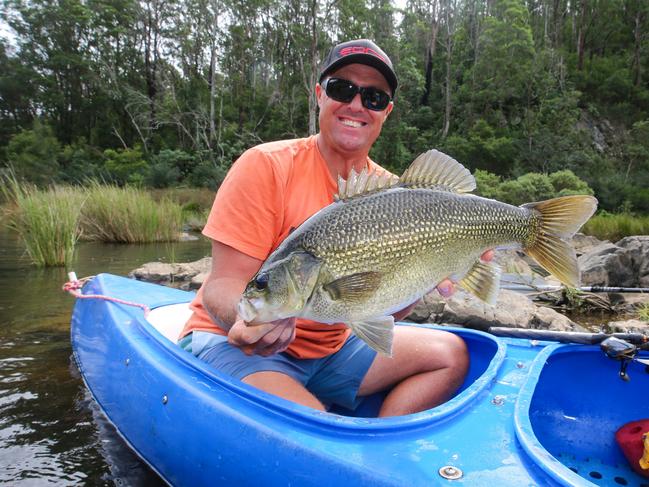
265 339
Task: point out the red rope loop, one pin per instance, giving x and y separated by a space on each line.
74 287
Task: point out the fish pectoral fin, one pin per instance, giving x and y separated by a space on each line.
376 332
354 287
436 170
483 280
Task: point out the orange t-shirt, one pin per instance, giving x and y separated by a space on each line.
270 190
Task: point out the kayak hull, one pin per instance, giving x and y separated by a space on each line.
195 426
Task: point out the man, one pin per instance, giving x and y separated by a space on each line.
272 189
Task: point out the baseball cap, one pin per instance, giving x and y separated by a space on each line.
361 51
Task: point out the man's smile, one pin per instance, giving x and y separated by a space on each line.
351 123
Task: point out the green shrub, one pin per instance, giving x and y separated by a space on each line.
169 167
207 175
566 183
527 188
530 187
162 175
488 184
80 162
125 166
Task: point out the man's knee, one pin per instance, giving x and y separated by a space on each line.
457 351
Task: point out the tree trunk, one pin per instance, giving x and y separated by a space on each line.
212 81
313 73
450 5
557 24
581 35
151 55
637 48
430 53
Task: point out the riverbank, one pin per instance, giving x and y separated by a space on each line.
602 263
50 430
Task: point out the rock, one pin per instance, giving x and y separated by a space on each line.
637 251
511 310
188 275
198 279
625 263
599 130
629 326
584 244
596 265
513 261
188 237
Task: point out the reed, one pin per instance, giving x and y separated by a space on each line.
129 215
614 227
643 312
46 220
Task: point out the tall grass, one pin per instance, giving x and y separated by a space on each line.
643 312
51 221
129 215
614 227
46 220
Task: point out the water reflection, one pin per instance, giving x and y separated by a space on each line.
50 429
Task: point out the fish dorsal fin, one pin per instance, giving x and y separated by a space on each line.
436 170
357 184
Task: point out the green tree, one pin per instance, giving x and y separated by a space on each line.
17 91
502 73
126 166
33 154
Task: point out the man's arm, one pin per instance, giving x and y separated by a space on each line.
231 271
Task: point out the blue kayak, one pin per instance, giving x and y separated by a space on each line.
530 413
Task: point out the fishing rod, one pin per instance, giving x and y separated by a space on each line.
589 289
623 347
583 338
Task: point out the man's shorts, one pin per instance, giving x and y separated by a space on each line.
334 379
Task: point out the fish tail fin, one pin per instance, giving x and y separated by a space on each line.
560 218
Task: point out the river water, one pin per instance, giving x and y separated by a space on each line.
51 433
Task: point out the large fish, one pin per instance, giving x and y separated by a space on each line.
387 241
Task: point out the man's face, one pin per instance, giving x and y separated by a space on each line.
350 127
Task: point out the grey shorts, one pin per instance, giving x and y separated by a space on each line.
334 379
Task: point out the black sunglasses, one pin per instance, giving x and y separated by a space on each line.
344 91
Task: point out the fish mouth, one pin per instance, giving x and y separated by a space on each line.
247 310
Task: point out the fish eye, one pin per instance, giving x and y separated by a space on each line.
261 282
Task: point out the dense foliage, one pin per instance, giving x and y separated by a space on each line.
170 92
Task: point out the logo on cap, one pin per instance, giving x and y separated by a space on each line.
345 51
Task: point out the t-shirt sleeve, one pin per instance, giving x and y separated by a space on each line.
248 208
